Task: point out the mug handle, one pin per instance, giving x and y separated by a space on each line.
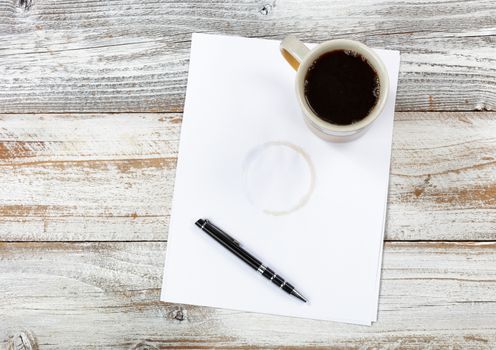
293 50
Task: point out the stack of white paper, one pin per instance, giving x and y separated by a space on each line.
311 210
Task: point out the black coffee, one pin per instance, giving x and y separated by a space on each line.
341 87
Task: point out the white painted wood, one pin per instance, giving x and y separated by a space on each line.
111 176
124 56
105 295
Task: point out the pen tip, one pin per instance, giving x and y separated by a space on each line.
298 295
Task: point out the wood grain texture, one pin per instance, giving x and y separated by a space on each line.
98 164
125 56
105 295
101 177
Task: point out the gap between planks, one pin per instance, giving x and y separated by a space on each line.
406 241
419 111
132 200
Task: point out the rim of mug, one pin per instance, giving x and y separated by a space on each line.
374 61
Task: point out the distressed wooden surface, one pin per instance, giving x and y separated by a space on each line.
104 295
114 176
124 55
91 95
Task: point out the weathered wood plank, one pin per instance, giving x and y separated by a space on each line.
111 176
132 56
105 295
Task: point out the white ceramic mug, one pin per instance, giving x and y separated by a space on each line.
301 59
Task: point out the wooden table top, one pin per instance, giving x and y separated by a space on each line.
91 100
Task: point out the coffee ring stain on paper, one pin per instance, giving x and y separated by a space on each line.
279 177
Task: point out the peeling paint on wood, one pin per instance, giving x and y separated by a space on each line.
74 56
71 176
114 176
437 295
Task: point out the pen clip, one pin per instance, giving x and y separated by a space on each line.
221 233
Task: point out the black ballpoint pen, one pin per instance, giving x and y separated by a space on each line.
234 247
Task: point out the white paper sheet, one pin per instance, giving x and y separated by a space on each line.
311 210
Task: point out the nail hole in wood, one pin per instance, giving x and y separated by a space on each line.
25 4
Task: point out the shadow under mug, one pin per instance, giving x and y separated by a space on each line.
301 58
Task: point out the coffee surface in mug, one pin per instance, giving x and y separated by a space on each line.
341 87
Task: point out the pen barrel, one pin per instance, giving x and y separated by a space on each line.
240 253
229 243
234 247
276 279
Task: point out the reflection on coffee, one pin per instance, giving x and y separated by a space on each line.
341 87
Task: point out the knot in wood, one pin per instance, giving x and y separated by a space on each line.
25 4
144 346
265 10
178 314
22 341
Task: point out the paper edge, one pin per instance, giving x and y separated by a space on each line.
347 321
163 290
375 315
